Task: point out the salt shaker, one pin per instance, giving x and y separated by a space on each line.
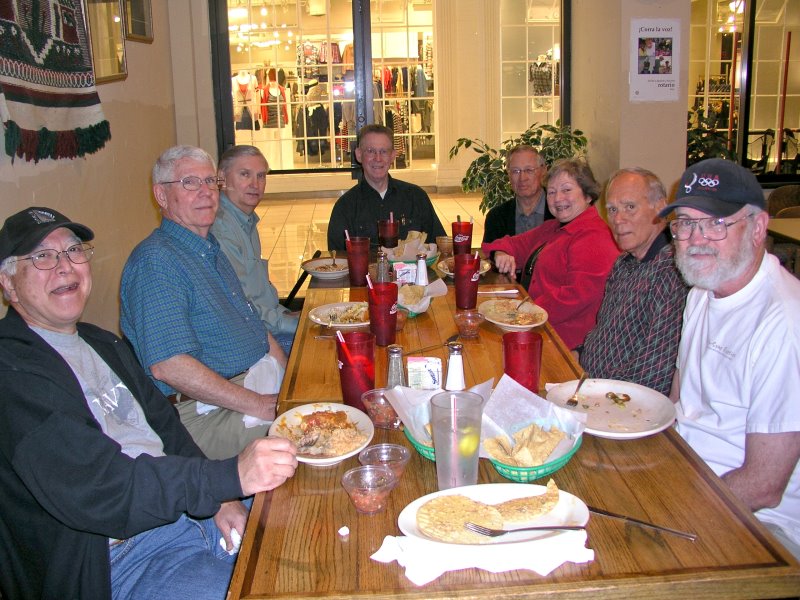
383 273
422 270
396 374
455 368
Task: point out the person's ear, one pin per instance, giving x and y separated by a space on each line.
160 195
7 283
760 220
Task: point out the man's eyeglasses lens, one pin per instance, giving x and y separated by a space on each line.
377 152
529 172
192 183
45 260
712 228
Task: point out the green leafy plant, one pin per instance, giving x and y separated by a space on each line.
704 140
487 173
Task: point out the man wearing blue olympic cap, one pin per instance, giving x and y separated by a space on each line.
738 368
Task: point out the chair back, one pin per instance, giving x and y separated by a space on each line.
783 197
792 212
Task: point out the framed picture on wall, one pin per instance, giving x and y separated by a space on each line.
108 39
138 20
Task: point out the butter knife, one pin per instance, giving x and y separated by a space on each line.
606 513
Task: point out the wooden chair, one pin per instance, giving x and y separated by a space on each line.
790 212
783 197
784 203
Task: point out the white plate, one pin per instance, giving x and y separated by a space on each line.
312 268
292 418
570 510
322 314
444 266
647 412
486 308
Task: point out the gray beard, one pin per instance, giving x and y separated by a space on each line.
724 270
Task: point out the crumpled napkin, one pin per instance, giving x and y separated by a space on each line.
264 377
236 538
432 290
407 250
426 560
414 407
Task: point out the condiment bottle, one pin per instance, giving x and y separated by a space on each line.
422 270
455 368
396 374
383 272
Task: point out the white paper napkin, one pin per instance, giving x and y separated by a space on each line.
432 290
425 560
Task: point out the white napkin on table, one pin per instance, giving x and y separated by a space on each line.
425 560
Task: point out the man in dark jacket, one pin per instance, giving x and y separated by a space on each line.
104 490
528 209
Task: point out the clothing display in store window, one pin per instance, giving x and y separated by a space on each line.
245 101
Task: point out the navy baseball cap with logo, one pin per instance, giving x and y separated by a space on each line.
717 187
22 232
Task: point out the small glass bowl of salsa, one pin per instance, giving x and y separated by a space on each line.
468 323
369 487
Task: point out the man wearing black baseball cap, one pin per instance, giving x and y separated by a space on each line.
104 491
739 356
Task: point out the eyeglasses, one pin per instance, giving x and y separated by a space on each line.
711 228
192 183
382 152
45 260
529 171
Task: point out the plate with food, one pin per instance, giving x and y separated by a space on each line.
325 433
341 315
448 265
509 315
326 268
440 517
617 409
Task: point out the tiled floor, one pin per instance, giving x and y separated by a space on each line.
292 230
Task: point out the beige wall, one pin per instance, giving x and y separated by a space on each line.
623 133
109 190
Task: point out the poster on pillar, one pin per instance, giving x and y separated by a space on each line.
654 60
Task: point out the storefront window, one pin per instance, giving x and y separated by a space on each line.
743 84
293 84
530 54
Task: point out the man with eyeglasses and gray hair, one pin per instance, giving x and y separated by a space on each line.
378 194
189 321
104 492
738 369
528 209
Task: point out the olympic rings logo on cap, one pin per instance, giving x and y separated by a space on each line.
705 181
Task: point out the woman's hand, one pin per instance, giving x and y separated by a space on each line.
505 263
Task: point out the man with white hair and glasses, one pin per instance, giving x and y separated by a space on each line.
189 320
738 368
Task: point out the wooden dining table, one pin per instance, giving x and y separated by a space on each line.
788 229
292 548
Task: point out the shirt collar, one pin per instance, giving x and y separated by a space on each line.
663 239
539 210
389 187
189 239
246 221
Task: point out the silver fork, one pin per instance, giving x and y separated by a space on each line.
488 532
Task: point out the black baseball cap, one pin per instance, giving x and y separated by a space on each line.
717 187
22 232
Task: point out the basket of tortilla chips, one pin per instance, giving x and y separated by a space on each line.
426 451
522 459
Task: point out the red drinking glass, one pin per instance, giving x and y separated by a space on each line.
382 300
522 358
466 276
356 359
462 237
358 260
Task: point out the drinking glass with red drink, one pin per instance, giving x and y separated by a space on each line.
356 359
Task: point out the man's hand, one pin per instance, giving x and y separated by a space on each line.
505 263
265 464
231 515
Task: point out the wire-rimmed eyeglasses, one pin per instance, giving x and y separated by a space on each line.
711 228
192 183
530 171
46 260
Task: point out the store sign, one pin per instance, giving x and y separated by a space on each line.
654 60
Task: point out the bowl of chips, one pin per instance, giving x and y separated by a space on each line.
426 451
524 461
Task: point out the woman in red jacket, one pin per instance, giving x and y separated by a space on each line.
567 259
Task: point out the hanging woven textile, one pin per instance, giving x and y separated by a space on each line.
48 102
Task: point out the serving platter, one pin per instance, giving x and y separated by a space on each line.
293 417
570 510
328 314
646 413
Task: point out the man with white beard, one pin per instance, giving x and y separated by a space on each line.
739 356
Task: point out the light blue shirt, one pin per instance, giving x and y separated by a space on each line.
237 235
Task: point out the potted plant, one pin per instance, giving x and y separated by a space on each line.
487 173
704 140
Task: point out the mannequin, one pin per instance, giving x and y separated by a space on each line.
274 105
540 76
245 101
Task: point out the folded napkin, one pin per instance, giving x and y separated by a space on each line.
426 560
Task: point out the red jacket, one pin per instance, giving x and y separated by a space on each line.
570 274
